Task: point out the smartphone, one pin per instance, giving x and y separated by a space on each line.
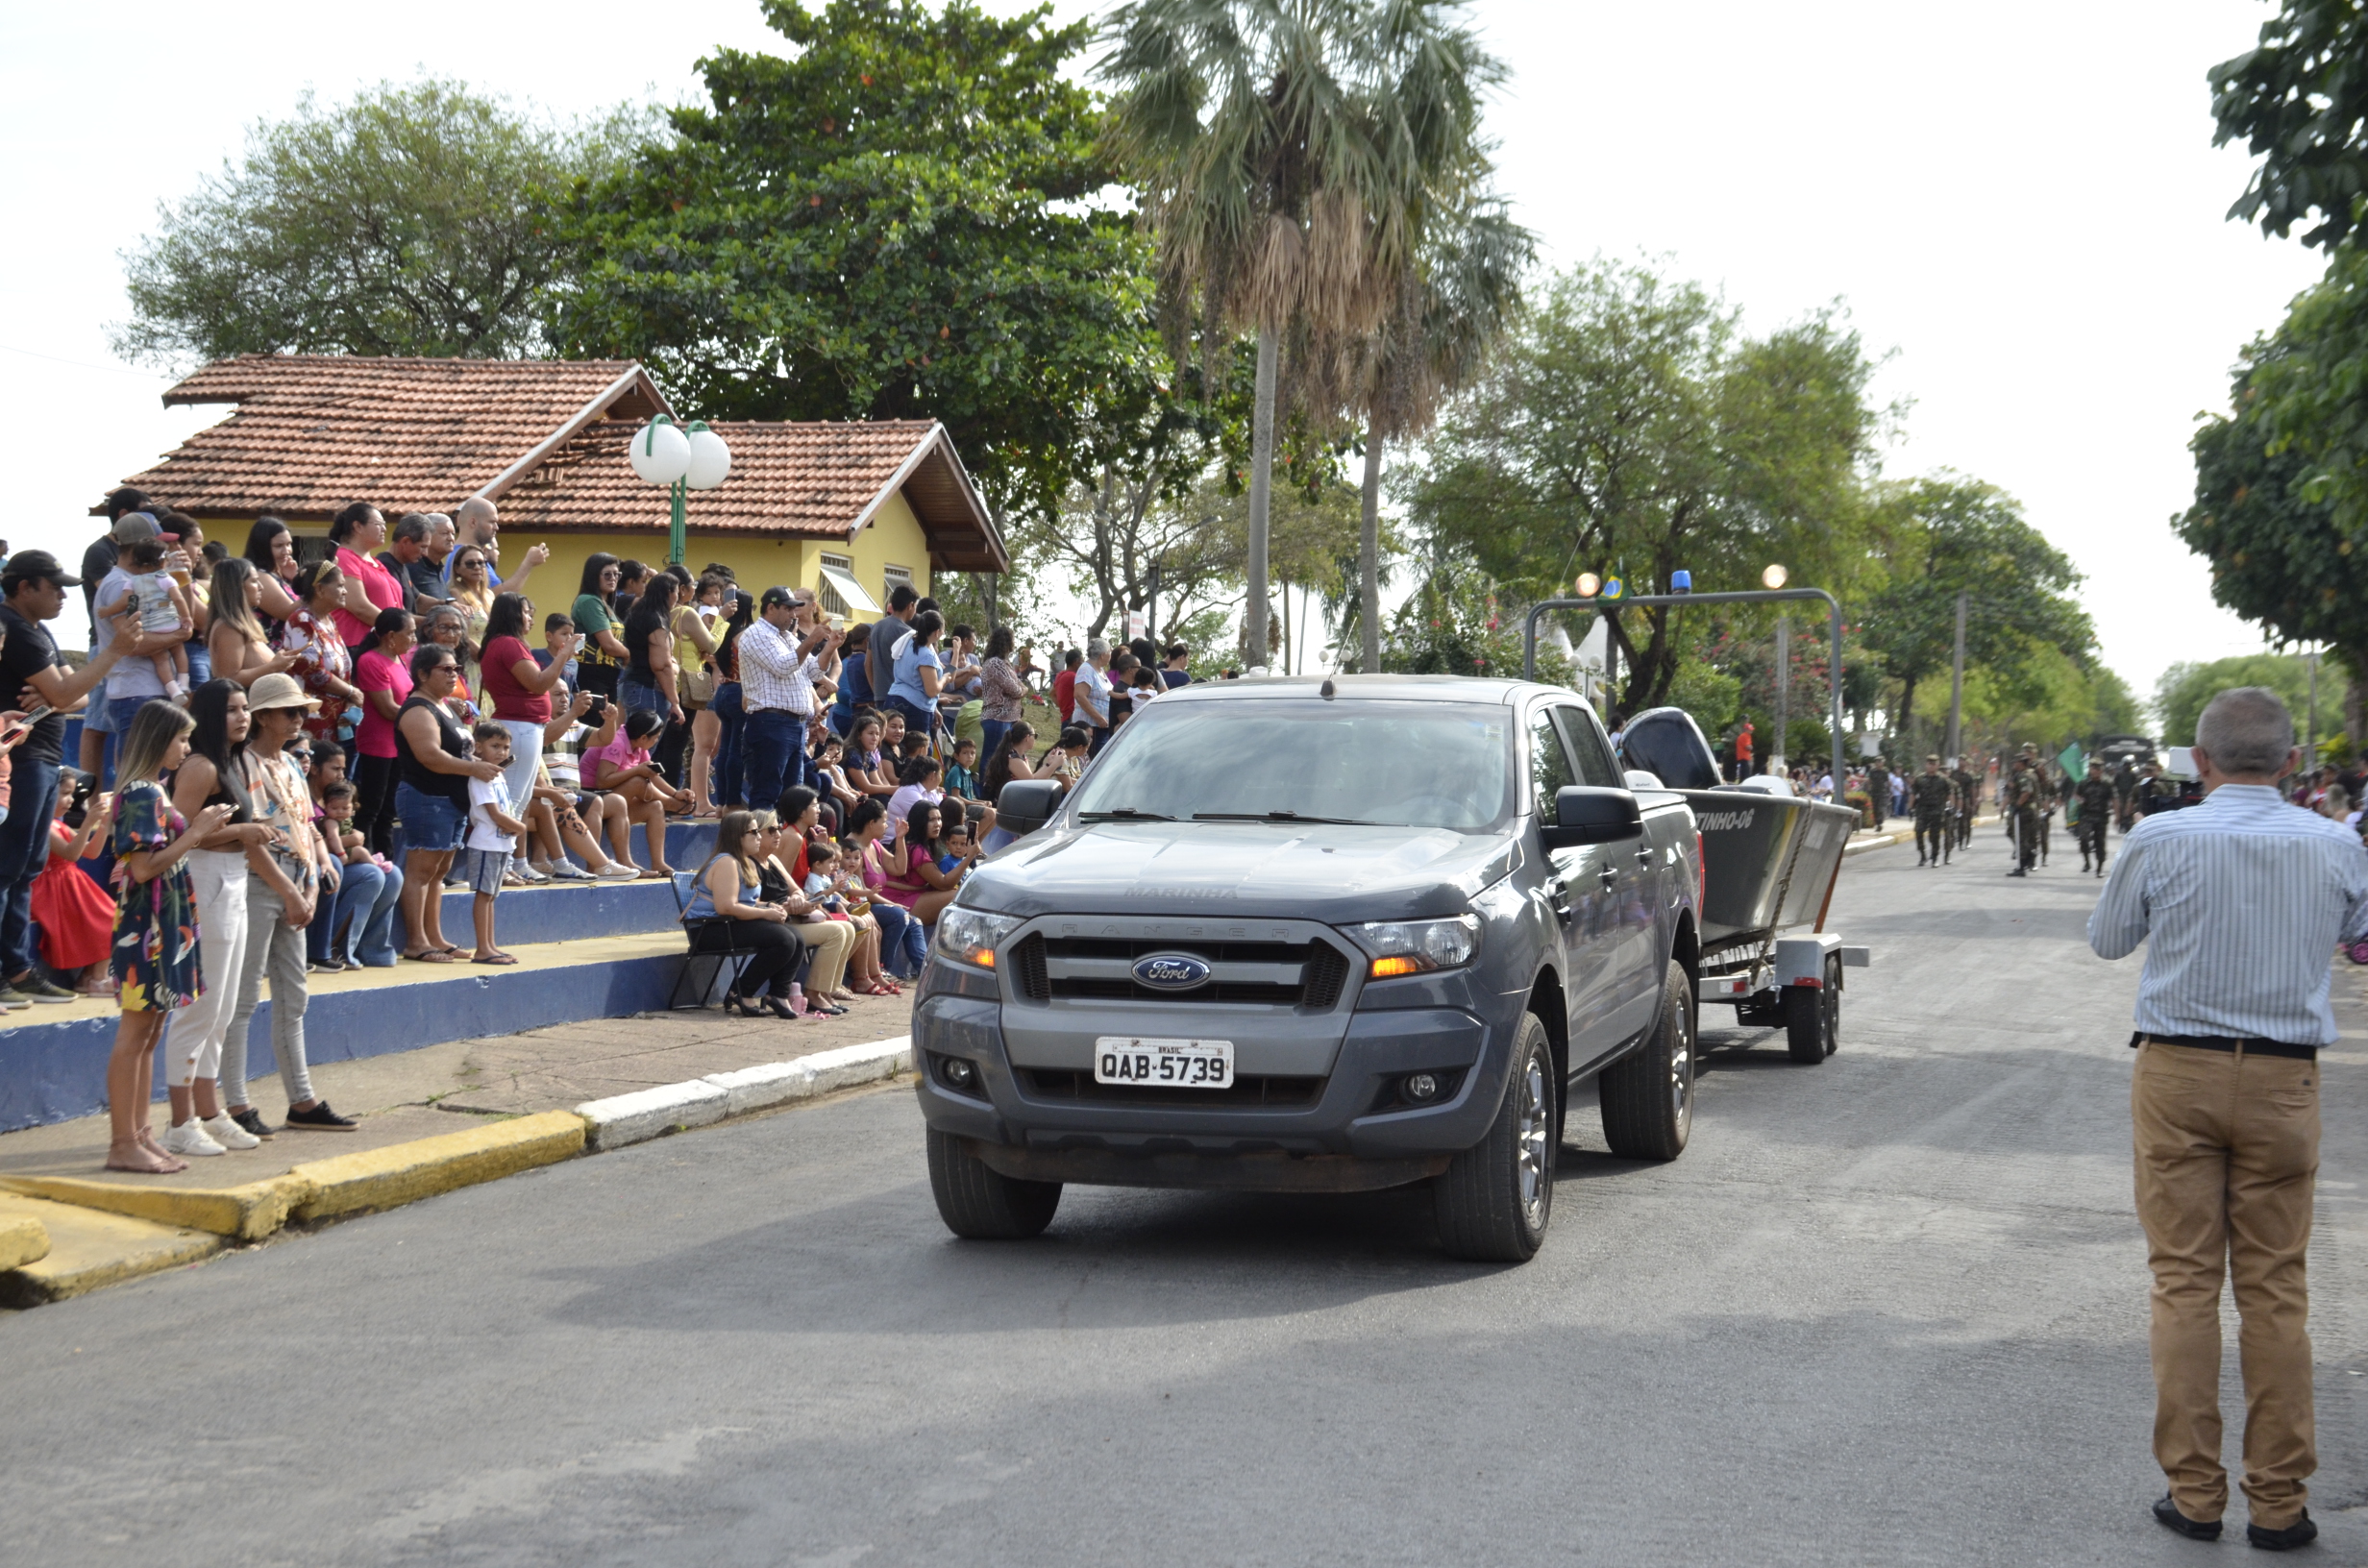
600 705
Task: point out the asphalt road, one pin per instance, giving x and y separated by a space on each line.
1886 1310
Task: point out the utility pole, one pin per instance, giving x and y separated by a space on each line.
1784 683
1957 681
2310 724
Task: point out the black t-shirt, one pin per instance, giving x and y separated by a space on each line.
97 561
423 584
452 787
30 650
638 627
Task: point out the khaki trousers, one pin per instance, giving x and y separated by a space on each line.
2227 1154
830 941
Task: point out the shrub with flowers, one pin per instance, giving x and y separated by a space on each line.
1459 624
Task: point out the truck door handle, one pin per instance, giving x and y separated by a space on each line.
1558 893
1608 876
1644 857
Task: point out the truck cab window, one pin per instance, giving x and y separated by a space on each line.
1549 766
1585 737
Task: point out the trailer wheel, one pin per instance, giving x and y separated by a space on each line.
1813 1016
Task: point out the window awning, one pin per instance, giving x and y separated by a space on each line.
845 585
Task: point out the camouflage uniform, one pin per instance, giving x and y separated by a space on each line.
1932 797
2026 794
1969 802
2125 793
2094 797
1879 789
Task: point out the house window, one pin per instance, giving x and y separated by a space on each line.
892 578
831 599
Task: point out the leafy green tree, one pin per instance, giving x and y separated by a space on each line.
2300 101
1287 150
2184 689
901 219
2283 554
414 220
1946 536
1626 426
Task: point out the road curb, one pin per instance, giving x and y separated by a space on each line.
247 1212
92 1248
401 1173
623 1119
22 1241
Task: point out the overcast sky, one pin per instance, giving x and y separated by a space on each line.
2019 202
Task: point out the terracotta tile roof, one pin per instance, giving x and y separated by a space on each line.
315 431
811 481
547 439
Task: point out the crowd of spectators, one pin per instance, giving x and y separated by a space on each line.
284 763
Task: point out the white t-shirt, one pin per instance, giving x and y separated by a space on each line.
487 795
129 678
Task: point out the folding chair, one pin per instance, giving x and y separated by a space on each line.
730 964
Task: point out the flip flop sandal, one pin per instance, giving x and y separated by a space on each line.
433 955
504 958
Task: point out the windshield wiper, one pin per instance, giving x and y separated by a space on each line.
1282 817
1124 814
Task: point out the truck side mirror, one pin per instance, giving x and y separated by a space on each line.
1589 814
1026 804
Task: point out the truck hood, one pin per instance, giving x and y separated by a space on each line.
1256 870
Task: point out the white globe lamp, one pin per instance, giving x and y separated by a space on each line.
708 461
660 453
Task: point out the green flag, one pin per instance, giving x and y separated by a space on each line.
2075 766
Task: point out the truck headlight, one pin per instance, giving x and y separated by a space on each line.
1398 947
969 934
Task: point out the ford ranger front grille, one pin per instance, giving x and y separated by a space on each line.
1247 1092
1305 974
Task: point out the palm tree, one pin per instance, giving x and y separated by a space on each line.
1286 149
1452 306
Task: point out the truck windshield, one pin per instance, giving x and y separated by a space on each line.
1402 764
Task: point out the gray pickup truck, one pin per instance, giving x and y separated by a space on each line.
1303 936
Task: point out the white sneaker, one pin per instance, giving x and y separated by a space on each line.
616 871
228 1134
526 872
189 1137
567 870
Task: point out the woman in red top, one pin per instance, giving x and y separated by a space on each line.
384 676
518 690
358 531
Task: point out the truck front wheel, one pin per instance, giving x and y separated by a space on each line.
977 1204
1648 1098
1494 1199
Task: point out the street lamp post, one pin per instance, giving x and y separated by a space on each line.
683 459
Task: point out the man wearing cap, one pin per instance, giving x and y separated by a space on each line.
2239 900
133 681
33 591
781 655
1930 796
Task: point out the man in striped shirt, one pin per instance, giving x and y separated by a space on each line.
2241 902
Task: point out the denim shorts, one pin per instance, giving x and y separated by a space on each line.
429 824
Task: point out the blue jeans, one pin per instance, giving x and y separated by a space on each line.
777 759
917 720
120 711
904 941
730 786
991 733
634 697
366 897
24 849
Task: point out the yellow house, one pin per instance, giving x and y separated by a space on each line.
848 509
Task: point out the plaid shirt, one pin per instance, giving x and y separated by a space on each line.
772 676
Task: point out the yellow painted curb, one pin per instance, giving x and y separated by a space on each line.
22 1241
406 1172
91 1249
246 1214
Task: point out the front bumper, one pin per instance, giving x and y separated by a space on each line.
1356 1132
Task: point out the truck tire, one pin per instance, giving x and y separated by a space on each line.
1648 1098
1813 1016
1496 1197
978 1205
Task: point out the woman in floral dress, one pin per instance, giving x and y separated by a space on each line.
323 666
155 959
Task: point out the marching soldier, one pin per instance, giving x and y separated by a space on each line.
2151 786
2024 791
2094 797
1968 800
1932 798
1879 789
2125 793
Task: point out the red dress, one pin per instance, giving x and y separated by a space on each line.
77 916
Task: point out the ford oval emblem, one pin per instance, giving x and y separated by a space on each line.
1171 971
